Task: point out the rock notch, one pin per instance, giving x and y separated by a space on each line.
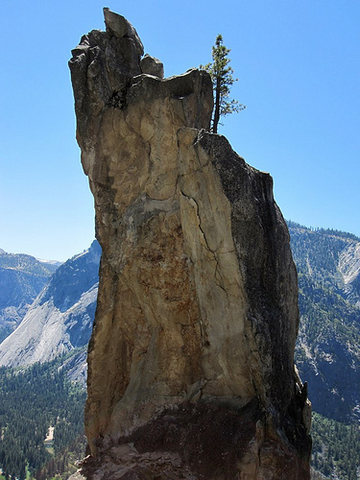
191 371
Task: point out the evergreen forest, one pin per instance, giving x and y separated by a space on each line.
31 401
336 448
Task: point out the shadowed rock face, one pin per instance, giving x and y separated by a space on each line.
191 370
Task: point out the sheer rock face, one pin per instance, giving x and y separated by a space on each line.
191 359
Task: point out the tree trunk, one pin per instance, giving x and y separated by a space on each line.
217 106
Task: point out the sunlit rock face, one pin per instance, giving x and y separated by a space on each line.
191 371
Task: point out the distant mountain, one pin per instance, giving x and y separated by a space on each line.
328 346
22 277
61 317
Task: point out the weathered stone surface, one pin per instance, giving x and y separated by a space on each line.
118 25
77 476
191 370
152 66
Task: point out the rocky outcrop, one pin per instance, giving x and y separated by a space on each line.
191 370
349 267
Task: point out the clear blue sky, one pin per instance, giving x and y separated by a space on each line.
298 64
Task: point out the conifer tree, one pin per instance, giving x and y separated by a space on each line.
222 77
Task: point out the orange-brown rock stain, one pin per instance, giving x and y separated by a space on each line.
165 288
154 341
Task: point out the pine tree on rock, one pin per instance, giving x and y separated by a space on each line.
222 77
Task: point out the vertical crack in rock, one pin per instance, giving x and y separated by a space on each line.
191 371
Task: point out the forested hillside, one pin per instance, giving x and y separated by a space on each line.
336 448
328 345
32 401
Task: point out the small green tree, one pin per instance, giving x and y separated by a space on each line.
222 77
